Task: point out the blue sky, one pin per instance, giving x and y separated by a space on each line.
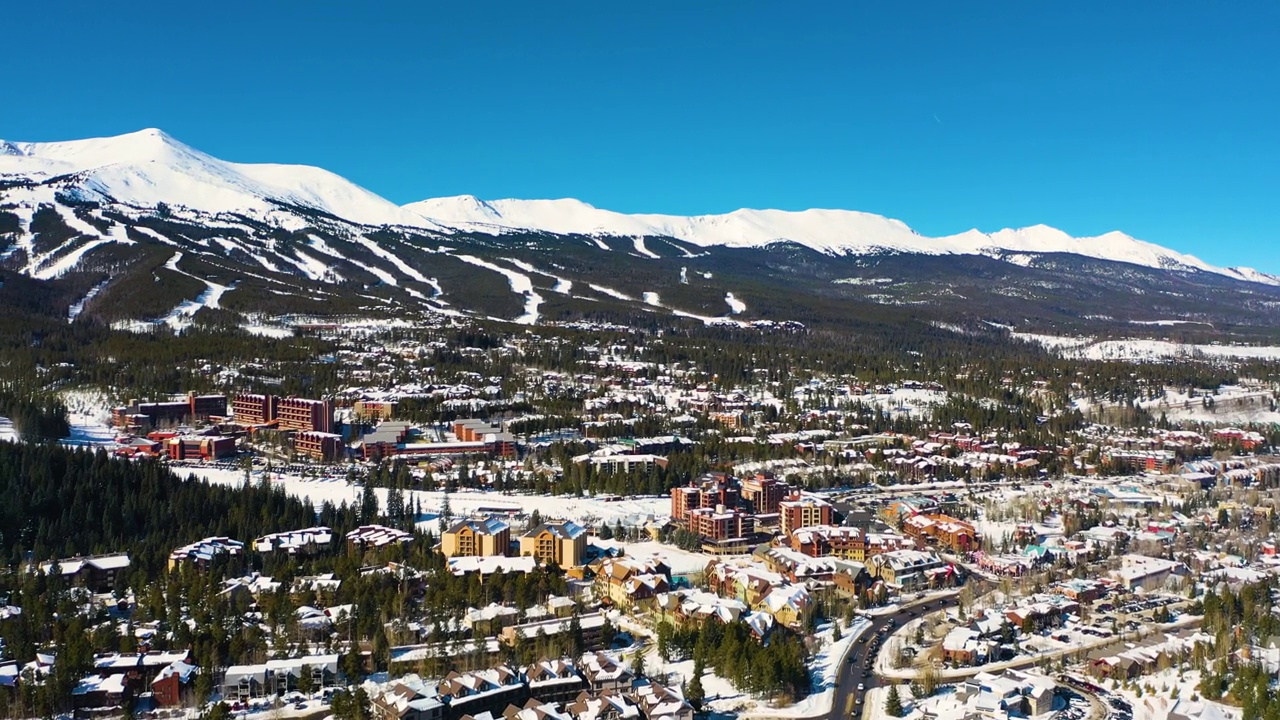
1156 118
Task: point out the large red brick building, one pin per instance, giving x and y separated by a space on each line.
289 413
709 491
800 511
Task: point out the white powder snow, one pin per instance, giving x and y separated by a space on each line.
736 306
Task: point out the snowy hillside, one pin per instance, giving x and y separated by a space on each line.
837 232
148 167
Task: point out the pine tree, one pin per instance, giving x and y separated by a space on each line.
694 694
893 704
446 513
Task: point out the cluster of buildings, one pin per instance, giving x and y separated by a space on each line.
559 543
593 687
732 516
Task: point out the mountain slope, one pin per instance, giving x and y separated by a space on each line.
148 167
146 232
835 232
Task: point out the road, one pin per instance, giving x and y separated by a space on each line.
860 663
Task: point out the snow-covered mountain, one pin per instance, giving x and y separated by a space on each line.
836 232
144 230
146 168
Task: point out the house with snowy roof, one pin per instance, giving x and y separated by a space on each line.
295 542
1011 693
608 705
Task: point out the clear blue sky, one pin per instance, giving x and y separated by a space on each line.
1157 118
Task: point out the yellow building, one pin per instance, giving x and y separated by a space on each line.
563 544
471 538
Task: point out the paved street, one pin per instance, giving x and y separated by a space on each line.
859 665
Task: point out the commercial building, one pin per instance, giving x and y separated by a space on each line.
151 414
709 491
305 414
289 413
199 447
96 573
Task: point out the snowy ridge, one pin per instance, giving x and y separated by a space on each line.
146 168
836 232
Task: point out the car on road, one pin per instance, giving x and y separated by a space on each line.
861 687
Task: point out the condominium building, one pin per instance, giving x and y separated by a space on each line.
803 511
474 537
563 543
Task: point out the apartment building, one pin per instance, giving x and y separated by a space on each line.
763 492
563 543
320 446
799 511
473 537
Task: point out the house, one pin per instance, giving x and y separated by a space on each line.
490 619
175 684
658 701
490 690
608 705
408 699
965 646
790 605
628 582
604 675
1012 693
554 681
278 676
295 542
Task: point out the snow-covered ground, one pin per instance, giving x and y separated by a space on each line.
337 491
7 431
89 414
1231 404
78 307
1141 349
912 402
1163 689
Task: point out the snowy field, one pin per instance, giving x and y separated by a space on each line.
1232 405
1149 350
909 402
89 414
461 503
7 431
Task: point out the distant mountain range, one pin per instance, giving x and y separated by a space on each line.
91 214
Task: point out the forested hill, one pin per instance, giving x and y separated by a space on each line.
61 502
